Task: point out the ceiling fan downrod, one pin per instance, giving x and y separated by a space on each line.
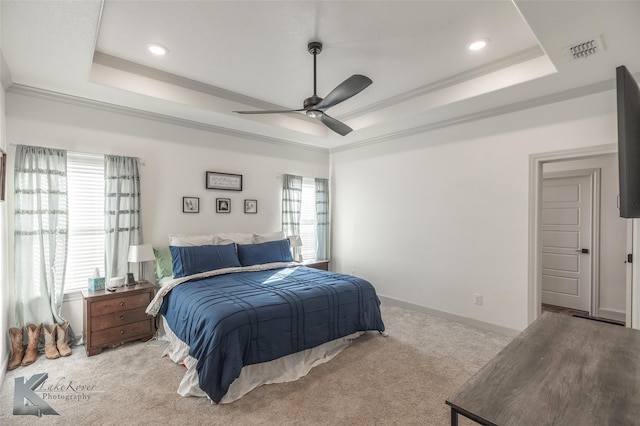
314 47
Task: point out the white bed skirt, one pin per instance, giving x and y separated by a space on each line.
281 370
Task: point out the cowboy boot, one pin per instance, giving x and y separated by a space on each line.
32 348
63 346
50 349
17 347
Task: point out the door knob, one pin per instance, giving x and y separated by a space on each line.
585 251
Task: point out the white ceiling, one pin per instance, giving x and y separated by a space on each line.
230 55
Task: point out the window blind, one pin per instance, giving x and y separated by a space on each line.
85 175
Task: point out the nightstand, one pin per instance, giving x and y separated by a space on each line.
317 264
112 318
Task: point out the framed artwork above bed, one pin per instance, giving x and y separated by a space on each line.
223 181
251 206
223 205
190 205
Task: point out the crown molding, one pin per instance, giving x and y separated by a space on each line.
480 115
516 58
34 92
187 83
577 92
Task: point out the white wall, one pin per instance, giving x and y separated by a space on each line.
613 234
433 219
175 160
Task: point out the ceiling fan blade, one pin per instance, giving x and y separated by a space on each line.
270 112
351 86
337 126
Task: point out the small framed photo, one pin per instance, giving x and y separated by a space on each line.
223 181
251 206
190 205
223 205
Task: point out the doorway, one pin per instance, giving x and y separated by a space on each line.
610 288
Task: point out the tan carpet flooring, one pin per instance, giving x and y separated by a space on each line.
402 379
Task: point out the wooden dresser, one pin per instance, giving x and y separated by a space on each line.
111 318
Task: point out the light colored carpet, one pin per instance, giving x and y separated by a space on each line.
401 379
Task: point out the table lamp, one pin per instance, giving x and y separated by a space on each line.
295 242
140 254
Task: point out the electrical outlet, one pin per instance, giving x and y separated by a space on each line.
353 272
477 299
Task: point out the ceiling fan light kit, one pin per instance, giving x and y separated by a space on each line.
315 106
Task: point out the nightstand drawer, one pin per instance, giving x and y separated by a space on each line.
115 319
123 303
115 335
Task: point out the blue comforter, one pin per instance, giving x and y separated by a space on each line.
244 318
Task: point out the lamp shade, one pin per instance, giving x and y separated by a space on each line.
295 241
141 253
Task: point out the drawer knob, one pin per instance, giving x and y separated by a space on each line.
121 317
121 303
121 331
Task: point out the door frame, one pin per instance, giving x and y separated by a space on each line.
594 175
534 281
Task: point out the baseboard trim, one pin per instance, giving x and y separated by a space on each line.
612 314
505 331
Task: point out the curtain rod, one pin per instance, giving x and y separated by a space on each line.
142 163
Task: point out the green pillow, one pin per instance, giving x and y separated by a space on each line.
164 267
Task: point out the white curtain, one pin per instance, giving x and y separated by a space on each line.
322 218
122 212
41 232
291 206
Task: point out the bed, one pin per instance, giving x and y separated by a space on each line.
238 313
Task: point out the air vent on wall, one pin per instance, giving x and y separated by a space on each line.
586 48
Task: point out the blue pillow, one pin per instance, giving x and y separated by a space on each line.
272 251
195 259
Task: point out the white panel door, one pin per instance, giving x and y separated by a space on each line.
566 242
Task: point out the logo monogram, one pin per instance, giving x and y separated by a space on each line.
24 391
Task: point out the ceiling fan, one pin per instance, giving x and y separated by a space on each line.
316 106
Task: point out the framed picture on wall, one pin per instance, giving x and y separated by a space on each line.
251 206
190 205
223 205
223 181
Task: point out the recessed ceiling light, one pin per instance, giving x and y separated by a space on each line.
157 49
478 44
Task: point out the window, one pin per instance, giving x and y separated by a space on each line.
86 244
308 219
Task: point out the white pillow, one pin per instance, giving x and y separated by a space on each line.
190 240
269 236
232 237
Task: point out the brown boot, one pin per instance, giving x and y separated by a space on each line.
63 347
16 335
32 348
50 349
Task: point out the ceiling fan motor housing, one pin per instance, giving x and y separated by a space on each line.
312 101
